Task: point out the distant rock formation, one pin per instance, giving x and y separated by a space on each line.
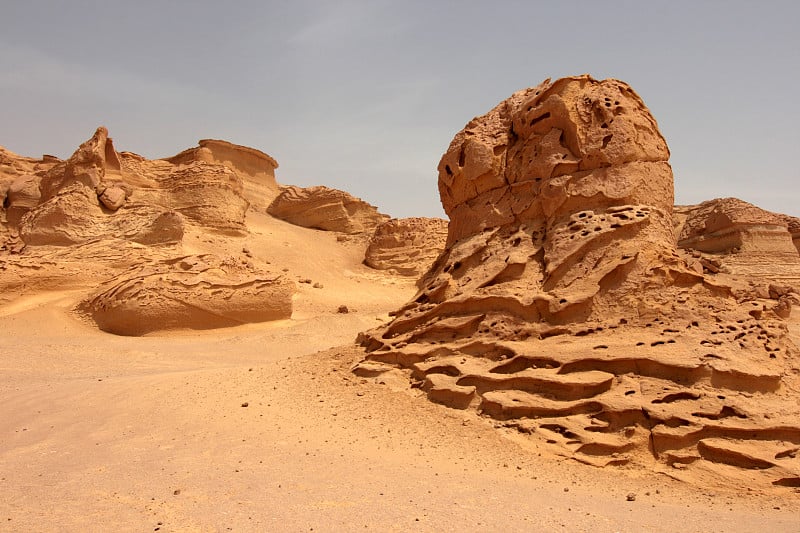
81 221
192 292
406 246
256 168
100 193
326 209
739 238
563 308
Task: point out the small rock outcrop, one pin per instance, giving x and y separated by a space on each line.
254 167
563 308
192 292
738 238
406 246
326 209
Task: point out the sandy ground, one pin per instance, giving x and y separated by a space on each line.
263 428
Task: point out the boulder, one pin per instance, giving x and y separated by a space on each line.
326 209
191 292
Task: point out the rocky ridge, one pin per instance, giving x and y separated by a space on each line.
406 246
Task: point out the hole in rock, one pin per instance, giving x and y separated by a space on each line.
540 118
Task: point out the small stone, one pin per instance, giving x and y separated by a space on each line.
176 492
318 285
245 404
631 497
343 309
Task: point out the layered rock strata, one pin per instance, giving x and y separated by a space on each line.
562 307
327 209
406 246
738 238
192 292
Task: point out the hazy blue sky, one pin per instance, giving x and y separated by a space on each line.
366 96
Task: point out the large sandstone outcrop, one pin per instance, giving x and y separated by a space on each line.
406 246
192 292
76 223
562 307
326 209
98 193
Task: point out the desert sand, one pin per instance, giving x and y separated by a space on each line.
192 346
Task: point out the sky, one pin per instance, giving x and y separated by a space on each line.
366 96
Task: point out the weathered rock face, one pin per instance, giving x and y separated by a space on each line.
739 238
209 195
326 209
406 246
562 307
557 197
88 166
255 168
729 224
73 216
22 195
97 193
79 222
193 292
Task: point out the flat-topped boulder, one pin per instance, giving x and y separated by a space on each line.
191 292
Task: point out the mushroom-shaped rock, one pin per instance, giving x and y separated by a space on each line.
562 307
192 292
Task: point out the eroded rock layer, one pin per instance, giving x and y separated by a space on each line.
69 225
738 238
192 292
327 209
406 246
563 308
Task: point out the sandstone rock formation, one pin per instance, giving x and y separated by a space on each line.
192 292
562 307
100 193
256 168
741 239
406 246
74 216
73 224
326 209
